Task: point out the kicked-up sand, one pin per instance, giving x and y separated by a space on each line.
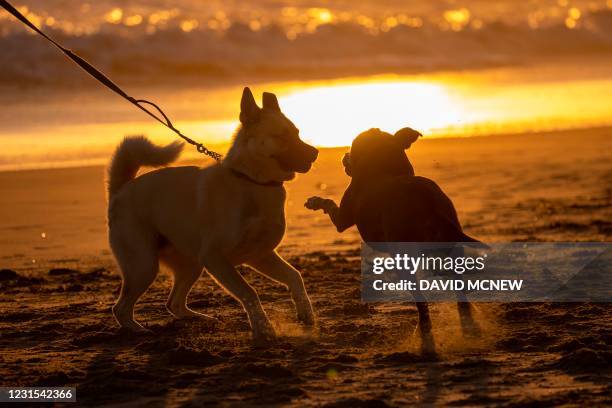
59 282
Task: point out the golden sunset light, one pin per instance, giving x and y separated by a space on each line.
297 203
333 115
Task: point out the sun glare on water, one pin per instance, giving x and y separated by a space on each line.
334 115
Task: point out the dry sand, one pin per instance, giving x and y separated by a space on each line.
55 296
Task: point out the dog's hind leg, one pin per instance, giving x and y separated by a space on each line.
136 255
228 277
276 268
469 327
186 273
428 346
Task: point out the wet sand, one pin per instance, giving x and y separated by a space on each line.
60 282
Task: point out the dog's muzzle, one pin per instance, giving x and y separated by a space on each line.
346 162
299 157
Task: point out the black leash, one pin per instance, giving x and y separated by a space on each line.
91 70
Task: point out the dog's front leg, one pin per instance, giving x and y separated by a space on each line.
275 267
341 217
228 277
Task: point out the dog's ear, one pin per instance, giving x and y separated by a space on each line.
249 111
270 102
406 136
346 162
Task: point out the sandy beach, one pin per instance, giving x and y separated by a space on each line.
58 282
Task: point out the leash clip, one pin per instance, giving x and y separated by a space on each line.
204 150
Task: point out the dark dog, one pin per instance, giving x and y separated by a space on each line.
388 203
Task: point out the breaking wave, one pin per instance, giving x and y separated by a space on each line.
185 43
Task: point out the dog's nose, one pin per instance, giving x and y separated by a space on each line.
346 159
313 153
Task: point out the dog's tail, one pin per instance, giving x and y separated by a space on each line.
471 242
134 152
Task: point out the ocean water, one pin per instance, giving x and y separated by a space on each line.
447 68
163 41
43 127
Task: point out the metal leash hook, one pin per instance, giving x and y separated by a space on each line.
106 81
204 150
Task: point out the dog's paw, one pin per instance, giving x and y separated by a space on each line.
264 336
315 203
428 345
306 317
469 326
471 330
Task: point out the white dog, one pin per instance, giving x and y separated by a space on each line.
211 218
